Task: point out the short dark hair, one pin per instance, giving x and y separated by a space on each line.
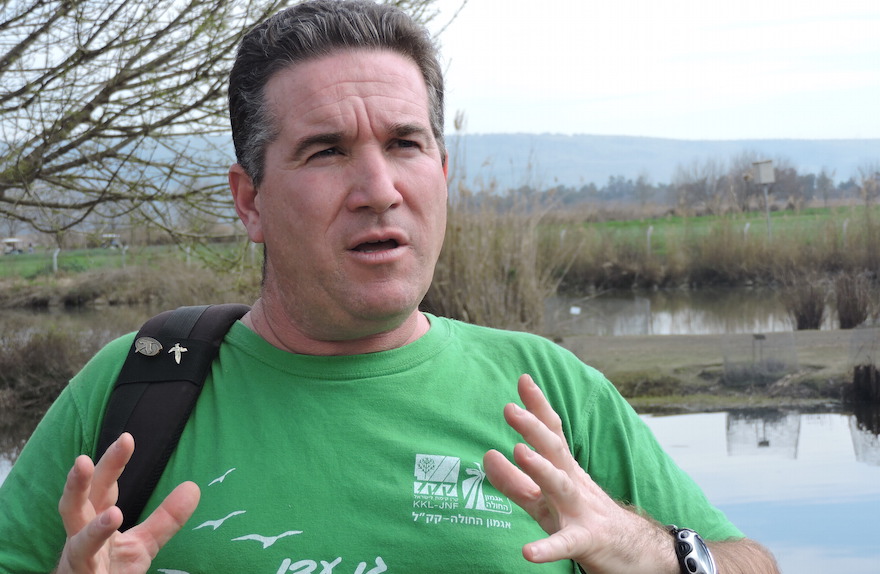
311 30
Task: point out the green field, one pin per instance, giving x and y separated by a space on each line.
40 262
804 227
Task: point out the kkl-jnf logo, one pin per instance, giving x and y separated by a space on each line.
436 478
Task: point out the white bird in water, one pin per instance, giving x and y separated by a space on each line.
268 540
219 522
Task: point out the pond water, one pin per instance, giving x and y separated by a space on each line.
676 312
806 485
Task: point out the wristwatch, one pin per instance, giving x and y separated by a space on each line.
693 555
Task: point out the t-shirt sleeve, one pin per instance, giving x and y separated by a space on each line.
624 457
31 530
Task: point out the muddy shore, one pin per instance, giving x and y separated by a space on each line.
687 372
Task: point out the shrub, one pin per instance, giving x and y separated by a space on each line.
36 366
805 296
853 298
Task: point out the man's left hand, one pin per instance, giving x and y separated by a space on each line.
584 523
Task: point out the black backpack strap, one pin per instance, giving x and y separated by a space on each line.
156 391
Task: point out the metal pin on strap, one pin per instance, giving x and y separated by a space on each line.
148 346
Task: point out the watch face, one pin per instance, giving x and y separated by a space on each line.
693 555
704 559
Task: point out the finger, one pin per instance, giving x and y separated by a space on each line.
536 403
74 507
542 438
570 490
168 518
554 483
511 481
105 490
80 552
565 544
567 502
528 491
518 487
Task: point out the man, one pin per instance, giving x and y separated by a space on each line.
342 430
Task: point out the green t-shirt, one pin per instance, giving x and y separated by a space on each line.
354 464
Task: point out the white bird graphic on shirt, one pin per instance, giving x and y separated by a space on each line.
219 522
220 478
267 541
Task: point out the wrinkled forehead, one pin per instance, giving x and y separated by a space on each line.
385 82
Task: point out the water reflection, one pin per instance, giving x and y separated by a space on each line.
865 429
787 478
776 432
701 312
770 433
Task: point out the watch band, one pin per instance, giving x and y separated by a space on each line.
693 554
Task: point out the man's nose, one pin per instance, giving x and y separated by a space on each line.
374 184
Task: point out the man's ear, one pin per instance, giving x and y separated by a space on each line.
246 200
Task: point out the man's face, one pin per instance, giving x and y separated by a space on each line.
352 208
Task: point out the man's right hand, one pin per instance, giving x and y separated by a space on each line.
92 520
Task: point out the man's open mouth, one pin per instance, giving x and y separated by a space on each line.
373 246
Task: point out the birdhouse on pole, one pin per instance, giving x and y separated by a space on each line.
764 172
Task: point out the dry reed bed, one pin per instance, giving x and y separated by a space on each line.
500 262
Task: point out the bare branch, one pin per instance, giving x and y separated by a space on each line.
112 107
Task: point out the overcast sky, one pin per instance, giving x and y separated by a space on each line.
680 69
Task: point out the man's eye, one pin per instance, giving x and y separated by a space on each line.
406 144
324 153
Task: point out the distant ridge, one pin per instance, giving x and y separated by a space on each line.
546 160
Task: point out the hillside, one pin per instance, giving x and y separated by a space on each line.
545 160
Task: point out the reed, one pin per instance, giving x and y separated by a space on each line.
854 299
805 296
499 264
36 365
725 254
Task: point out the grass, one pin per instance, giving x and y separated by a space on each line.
39 263
159 277
676 228
720 250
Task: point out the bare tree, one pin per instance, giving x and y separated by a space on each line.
825 184
789 186
740 187
697 186
109 107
